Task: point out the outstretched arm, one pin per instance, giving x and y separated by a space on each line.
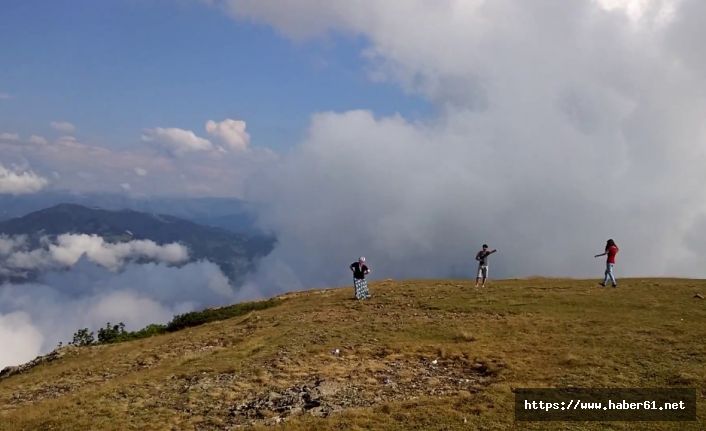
494 250
602 254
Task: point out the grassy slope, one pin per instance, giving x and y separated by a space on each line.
518 333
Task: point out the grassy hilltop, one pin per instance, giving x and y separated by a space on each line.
425 355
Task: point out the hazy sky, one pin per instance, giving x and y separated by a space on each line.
409 131
102 74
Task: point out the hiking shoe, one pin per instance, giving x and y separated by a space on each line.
601 284
615 285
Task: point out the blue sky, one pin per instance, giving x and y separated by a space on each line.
116 68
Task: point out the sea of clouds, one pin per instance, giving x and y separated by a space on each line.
85 281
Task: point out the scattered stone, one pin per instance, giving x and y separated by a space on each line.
398 379
699 296
49 357
311 398
9 371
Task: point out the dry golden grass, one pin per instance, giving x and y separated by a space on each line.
518 333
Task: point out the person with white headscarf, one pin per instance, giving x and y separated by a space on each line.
360 270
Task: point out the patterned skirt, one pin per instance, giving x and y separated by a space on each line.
361 288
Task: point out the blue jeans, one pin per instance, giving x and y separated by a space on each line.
609 274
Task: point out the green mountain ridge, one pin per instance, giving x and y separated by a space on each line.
229 213
234 253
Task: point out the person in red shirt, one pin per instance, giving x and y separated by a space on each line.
610 250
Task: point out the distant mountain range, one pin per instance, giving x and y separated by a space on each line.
235 253
228 213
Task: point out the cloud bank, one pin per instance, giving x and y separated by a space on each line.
558 125
20 339
17 257
83 281
34 317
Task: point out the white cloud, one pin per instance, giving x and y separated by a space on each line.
38 140
16 182
231 132
126 186
140 171
21 341
128 306
63 126
8 244
71 247
177 141
34 317
66 251
9 137
5 96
